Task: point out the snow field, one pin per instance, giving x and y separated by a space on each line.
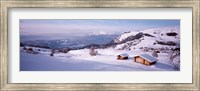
80 60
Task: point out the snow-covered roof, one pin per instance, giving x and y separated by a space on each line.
148 57
124 55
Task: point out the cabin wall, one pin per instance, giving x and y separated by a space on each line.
142 61
147 62
139 60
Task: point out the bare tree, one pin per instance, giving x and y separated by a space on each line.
155 53
145 49
175 63
24 48
173 54
52 52
93 52
65 50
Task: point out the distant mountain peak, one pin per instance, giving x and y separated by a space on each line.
99 33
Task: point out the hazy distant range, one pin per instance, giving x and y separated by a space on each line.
67 40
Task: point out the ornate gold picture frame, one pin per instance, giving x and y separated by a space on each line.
8 4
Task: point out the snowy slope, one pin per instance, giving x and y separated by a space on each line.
132 43
124 36
150 38
80 60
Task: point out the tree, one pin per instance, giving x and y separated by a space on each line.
173 60
145 49
177 65
155 53
52 52
24 48
93 52
29 50
66 50
173 54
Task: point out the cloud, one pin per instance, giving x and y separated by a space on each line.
40 27
69 28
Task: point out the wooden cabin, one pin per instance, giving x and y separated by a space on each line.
122 56
145 59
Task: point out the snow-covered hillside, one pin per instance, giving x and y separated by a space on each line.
160 38
164 41
80 60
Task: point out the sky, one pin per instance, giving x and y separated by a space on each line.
87 26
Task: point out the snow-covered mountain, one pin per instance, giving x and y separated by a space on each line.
41 57
159 38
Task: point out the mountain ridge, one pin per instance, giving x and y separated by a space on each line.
156 38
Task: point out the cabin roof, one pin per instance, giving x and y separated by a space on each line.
148 57
124 55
